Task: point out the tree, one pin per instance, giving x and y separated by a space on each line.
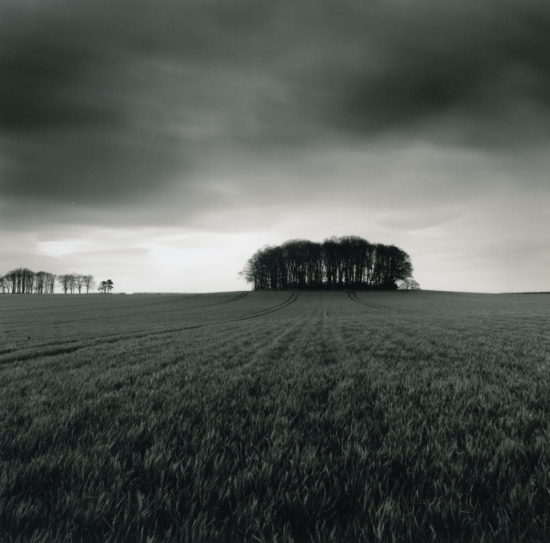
88 282
79 282
65 281
4 285
8 284
50 283
102 287
12 279
109 285
40 279
72 282
44 282
408 284
28 281
20 281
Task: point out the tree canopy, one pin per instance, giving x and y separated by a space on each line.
337 263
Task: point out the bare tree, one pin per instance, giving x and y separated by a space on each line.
25 281
40 282
5 284
88 282
65 281
20 280
43 282
50 282
28 281
72 282
79 281
408 284
11 278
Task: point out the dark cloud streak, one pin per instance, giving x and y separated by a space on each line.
108 103
460 58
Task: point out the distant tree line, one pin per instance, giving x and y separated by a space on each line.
25 281
337 263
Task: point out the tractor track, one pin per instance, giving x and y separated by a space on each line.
237 298
67 348
293 297
353 297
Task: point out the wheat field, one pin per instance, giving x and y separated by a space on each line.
275 417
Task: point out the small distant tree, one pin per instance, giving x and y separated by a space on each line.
40 282
65 282
28 281
79 282
88 282
5 285
109 285
11 281
50 282
408 284
72 282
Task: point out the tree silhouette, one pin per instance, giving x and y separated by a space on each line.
88 282
408 284
337 263
79 282
25 281
19 281
40 282
5 285
50 282
65 281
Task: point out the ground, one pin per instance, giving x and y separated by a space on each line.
275 416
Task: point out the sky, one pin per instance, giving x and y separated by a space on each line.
160 144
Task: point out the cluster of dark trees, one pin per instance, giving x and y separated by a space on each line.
105 287
25 281
337 263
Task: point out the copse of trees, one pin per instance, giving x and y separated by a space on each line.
337 263
105 287
25 281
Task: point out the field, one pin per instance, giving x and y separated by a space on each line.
275 416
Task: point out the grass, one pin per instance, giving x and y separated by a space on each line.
384 416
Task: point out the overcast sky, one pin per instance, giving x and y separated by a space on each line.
161 143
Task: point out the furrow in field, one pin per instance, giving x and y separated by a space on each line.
237 298
71 346
294 335
192 314
359 302
80 331
283 341
354 298
52 325
286 303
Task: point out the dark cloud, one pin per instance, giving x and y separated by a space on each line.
111 103
42 86
471 61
